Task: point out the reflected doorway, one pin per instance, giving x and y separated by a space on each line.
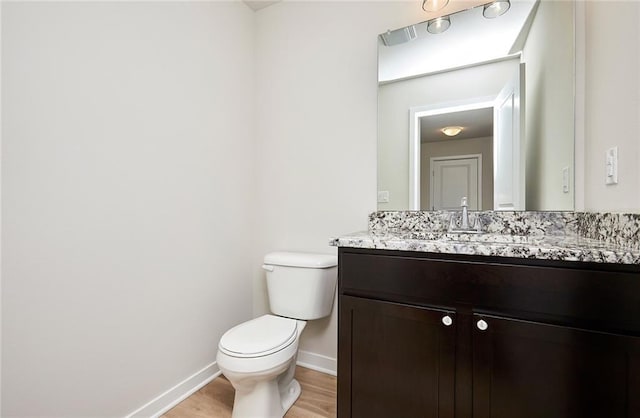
455 166
487 126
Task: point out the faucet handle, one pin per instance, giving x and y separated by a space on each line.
463 202
477 225
452 222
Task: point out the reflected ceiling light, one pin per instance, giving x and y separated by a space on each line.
438 25
452 130
433 5
495 9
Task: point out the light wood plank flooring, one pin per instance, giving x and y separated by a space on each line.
318 398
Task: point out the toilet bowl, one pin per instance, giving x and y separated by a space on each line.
261 370
258 357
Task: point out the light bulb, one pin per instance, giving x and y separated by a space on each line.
438 25
434 5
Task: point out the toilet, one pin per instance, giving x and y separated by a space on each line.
258 357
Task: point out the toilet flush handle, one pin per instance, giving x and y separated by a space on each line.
267 267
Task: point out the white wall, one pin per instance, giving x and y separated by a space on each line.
316 128
395 101
612 103
549 128
128 188
127 198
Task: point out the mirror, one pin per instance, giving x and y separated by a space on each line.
508 82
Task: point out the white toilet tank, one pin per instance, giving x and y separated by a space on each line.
301 285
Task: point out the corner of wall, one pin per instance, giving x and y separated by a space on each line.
579 129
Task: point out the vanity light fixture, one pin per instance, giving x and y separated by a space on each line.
399 36
438 25
495 9
434 5
452 130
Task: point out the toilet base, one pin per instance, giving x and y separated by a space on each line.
264 386
265 398
289 395
262 401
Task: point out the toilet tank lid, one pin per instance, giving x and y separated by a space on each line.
296 259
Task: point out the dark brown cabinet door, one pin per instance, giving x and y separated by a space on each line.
531 370
395 360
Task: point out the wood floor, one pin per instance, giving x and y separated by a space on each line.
318 398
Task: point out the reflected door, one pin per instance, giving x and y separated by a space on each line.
453 178
508 156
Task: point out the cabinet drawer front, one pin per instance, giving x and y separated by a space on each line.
404 279
586 298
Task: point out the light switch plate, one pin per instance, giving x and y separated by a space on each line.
611 166
383 196
565 180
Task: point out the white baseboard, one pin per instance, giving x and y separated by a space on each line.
167 400
317 362
178 393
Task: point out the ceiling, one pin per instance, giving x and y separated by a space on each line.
256 5
477 123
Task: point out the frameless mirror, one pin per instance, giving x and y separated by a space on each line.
506 84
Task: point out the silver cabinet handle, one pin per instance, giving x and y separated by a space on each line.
447 320
482 325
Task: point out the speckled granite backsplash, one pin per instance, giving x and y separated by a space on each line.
621 229
613 228
507 223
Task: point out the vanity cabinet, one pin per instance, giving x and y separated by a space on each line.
434 335
421 367
528 369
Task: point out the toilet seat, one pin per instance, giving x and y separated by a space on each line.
259 337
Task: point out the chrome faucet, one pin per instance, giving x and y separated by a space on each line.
464 225
464 222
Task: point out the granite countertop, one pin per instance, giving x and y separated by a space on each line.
509 235
565 248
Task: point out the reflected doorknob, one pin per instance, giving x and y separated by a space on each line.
447 320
